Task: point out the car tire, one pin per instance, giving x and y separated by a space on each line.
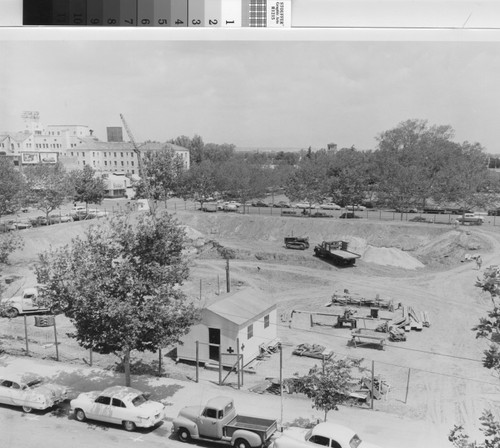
183 435
27 409
12 312
129 426
241 443
80 415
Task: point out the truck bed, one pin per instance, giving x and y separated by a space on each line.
262 426
345 254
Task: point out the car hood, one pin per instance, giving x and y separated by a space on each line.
190 412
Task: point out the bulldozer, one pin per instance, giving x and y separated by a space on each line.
296 242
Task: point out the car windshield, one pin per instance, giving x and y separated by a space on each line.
355 441
32 384
140 399
308 434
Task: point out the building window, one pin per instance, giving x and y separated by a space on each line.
105 163
114 154
71 153
93 162
266 321
250 331
115 163
105 154
132 163
121 154
83 162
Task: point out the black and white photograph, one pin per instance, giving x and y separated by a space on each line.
254 243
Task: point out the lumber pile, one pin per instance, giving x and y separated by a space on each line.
347 299
312 351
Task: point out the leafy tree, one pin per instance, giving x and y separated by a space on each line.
11 187
490 429
308 182
409 161
9 242
47 187
487 328
200 181
160 175
119 285
349 175
237 179
329 385
466 180
88 188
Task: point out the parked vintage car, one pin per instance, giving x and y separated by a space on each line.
359 208
219 422
18 225
305 205
349 215
330 206
259 204
39 221
30 392
27 303
328 434
57 218
282 204
120 405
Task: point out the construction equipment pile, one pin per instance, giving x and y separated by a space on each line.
347 299
312 351
407 321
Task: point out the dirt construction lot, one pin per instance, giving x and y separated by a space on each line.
435 376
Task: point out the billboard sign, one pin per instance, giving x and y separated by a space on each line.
48 157
30 158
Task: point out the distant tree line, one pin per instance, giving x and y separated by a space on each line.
413 164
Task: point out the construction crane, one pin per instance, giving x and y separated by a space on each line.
134 144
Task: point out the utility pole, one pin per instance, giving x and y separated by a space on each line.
281 382
228 281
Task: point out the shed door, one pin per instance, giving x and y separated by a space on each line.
214 343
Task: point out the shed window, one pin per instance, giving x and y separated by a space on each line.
266 321
250 332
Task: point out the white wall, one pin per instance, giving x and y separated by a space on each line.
229 335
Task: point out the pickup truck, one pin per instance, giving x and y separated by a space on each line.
218 422
471 219
27 303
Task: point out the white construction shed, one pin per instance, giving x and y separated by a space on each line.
245 316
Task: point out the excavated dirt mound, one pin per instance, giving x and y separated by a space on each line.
404 245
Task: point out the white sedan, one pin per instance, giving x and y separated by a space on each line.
118 404
359 208
30 393
330 206
305 205
324 434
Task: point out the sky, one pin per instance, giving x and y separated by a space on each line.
281 94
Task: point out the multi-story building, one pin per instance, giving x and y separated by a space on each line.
75 147
118 157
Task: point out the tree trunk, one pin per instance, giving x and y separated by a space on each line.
326 413
126 366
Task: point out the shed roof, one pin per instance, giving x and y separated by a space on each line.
242 306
